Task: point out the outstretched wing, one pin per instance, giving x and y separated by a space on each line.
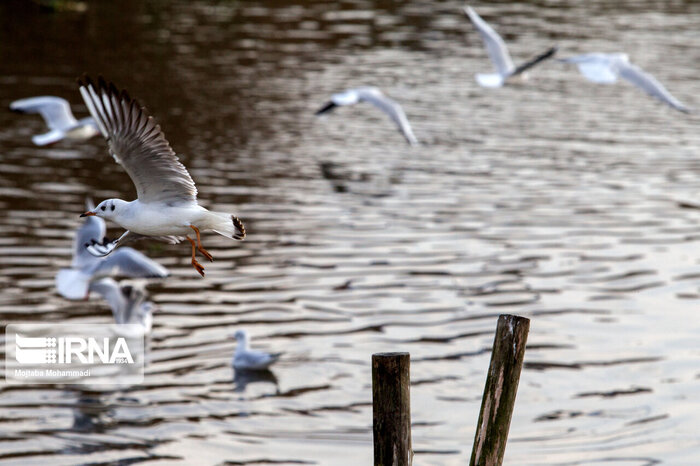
495 46
131 263
55 111
105 247
137 143
649 84
393 110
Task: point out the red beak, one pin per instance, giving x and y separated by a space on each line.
88 214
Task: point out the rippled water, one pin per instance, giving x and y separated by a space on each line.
572 204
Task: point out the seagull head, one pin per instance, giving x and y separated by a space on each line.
240 335
109 208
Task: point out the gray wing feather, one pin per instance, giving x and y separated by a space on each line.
110 291
393 110
131 263
649 84
138 144
55 111
495 46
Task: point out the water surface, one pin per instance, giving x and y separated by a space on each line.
569 203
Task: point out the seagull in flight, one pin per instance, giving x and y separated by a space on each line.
246 359
375 97
606 68
58 117
128 303
497 50
76 282
166 208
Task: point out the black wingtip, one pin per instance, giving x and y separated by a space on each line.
326 108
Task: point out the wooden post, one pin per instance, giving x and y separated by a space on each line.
391 400
499 393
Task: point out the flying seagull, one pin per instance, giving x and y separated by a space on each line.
58 117
128 302
166 208
606 68
246 359
375 97
74 282
497 50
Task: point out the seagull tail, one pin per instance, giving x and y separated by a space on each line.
227 225
72 284
48 138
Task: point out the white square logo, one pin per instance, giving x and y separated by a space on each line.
74 353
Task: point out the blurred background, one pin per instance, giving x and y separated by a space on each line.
570 203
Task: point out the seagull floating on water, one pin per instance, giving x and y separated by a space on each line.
166 208
246 359
58 117
75 282
498 52
606 68
128 303
375 97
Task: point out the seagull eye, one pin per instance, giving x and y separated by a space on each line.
103 208
112 206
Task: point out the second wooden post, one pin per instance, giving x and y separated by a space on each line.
391 400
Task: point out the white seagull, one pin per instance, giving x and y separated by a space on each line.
375 97
128 303
58 117
74 283
246 359
497 50
606 68
166 208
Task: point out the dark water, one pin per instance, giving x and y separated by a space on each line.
569 203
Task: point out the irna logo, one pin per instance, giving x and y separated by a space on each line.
68 350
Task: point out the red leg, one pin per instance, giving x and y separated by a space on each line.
197 266
199 244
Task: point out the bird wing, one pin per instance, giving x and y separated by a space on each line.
391 108
648 84
536 60
131 263
138 144
255 359
495 46
110 291
55 111
104 248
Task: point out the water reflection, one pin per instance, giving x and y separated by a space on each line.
242 378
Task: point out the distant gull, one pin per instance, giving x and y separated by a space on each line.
128 302
246 359
497 50
58 117
606 68
74 283
166 208
375 97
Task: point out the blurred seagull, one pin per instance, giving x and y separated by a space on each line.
75 282
606 68
58 117
166 208
497 50
128 302
375 97
246 359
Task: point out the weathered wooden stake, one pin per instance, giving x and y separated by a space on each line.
391 400
499 393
